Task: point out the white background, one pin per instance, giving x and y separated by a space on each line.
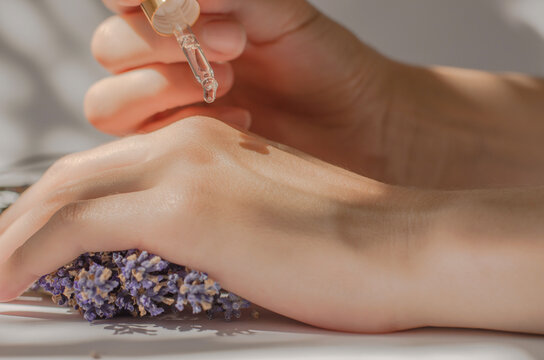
497 35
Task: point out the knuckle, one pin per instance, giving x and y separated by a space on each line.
199 130
198 126
56 198
61 167
197 140
92 105
100 40
122 42
71 213
101 108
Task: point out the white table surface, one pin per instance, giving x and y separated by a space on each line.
33 328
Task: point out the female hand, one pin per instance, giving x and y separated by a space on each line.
300 237
312 85
283 230
300 78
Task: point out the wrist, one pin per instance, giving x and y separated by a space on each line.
443 114
390 244
484 263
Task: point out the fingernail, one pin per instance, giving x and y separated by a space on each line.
226 37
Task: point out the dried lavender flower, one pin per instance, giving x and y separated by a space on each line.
106 284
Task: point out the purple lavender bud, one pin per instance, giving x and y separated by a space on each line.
105 284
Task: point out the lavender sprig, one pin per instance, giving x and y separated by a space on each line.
104 285
107 284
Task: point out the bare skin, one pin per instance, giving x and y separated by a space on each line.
367 240
286 231
314 86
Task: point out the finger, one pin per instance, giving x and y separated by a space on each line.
122 6
116 181
236 117
120 104
264 20
111 223
113 155
128 41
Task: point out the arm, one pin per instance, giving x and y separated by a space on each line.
484 266
466 128
403 125
288 232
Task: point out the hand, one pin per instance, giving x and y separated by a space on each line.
262 220
301 79
300 237
310 84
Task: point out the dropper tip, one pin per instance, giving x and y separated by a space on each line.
210 86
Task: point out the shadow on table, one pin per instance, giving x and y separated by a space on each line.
183 335
125 333
246 325
252 320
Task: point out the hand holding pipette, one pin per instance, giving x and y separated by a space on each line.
282 66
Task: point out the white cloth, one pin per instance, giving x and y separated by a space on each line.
32 328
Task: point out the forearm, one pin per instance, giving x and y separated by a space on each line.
487 125
484 264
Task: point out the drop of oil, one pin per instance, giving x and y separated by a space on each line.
210 86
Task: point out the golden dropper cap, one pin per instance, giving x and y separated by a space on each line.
165 14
